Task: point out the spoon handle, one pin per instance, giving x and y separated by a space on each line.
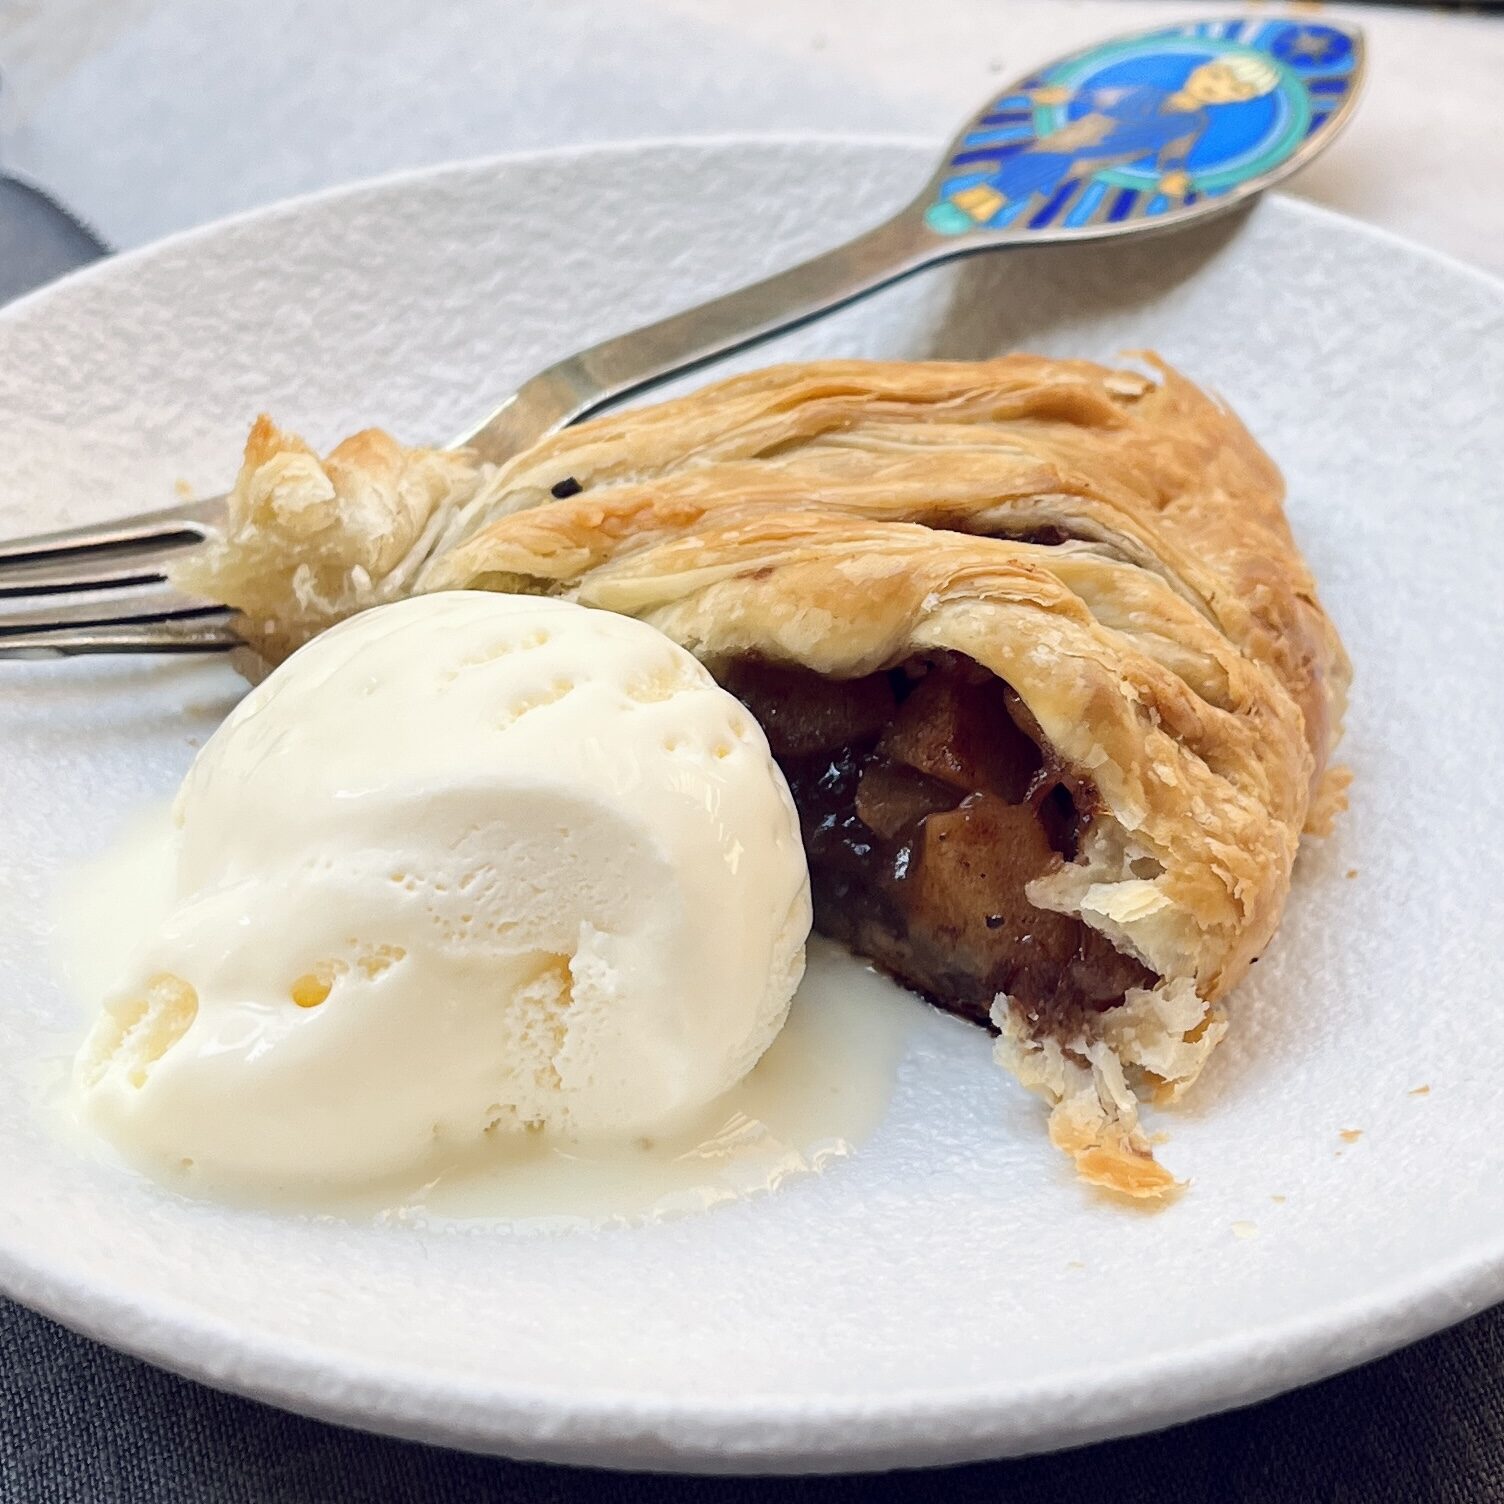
621 367
1136 135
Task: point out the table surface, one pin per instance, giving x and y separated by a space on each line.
145 118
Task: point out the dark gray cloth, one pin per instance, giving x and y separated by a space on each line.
81 1423
39 240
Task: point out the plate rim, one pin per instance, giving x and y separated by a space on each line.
619 1427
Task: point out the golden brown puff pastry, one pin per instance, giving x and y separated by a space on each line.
1033 632
311 541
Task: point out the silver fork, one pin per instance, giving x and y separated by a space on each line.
1111 140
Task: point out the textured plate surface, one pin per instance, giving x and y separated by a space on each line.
950 1292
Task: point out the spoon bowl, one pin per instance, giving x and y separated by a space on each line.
1152 130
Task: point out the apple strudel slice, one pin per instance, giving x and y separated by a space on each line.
1030 639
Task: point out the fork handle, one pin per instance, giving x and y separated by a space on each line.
618 368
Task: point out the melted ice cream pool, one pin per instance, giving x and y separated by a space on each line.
819 1091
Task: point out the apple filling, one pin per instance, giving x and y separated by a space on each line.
929 800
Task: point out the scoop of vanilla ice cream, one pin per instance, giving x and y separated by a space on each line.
468 864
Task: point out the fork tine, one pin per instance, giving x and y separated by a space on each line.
109 608
117 568
177 635
98 569
152 531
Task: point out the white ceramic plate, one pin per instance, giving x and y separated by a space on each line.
950 1292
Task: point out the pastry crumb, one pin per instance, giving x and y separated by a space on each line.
1350 1135
1075 1264
183 488
1161 1137
1420 1091
1245 1229
1278 1200
1352 871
